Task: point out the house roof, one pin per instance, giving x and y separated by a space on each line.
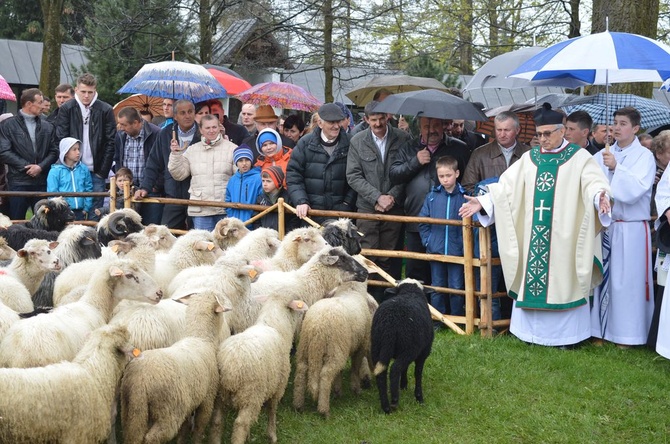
22 61
232 38
313 78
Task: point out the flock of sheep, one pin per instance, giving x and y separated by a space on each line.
173 332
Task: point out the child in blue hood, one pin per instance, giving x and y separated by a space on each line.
443 202
245 185
69 175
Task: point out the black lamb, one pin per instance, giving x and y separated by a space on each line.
402 330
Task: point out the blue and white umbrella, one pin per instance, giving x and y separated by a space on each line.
175 80
601 108
600 59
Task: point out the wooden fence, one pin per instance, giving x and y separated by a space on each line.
474 319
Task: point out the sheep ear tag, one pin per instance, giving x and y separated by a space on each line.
210 247
136 352
298 305
115 248
253 273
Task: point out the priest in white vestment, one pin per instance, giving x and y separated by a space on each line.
549 208
622 311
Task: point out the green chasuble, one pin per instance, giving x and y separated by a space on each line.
548 227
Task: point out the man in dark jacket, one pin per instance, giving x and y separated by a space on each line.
368 165
132 147
415 167
316 173
185 132
64 92
92 122
28 147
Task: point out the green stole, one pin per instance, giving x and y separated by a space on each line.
537 264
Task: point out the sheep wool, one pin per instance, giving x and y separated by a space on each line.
59 335
152 414
69 401
402 330
333 329
229 231
254 367
296 248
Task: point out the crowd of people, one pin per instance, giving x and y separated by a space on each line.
567 210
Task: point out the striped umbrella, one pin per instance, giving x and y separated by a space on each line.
6 92
653 113
280 95
175 80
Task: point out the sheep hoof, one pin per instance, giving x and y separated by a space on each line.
366 383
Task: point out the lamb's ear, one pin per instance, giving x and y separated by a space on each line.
150 229
250 270
329 259
22 253
53 245
297 239
119 246
115 271
223 304
204 245
225 228
297 305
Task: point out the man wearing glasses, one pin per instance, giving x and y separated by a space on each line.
92 121
549 206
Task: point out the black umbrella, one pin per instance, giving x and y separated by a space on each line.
430 103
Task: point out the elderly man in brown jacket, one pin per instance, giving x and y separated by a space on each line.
492 159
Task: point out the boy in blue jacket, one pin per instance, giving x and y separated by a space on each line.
71 176
443 202
245 185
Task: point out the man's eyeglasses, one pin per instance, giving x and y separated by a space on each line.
546 133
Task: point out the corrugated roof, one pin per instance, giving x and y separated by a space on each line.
313 78
21 61
231 39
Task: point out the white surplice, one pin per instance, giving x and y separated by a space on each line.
631 305
663 205
573 245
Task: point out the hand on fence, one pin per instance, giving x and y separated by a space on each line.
301 210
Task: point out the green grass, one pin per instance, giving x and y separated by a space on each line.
500 391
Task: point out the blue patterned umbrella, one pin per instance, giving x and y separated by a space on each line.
653 113
175 80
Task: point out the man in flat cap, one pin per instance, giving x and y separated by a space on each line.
316 174
550 206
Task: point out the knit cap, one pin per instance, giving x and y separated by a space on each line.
276 174
268 134
242 152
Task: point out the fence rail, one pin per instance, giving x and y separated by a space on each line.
471 320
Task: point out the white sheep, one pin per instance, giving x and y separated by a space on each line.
6 252
254 368
257 245
68 402
149 412
229 231
5 221
161 325
7 318
296 248
27 269
136 247
160 236
197 247
52 337
333 329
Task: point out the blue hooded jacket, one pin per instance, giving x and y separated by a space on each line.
442 239
76 179
243 188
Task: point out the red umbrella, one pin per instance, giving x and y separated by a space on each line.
6 92
280 95
232 84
